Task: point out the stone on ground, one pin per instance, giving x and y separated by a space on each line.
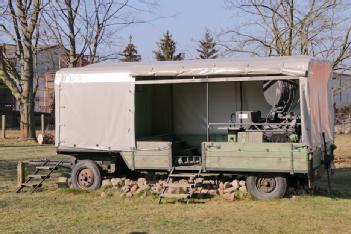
106 182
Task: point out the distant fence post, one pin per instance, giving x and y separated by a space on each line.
3 127
42 123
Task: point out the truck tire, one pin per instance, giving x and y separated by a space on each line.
86 175
265 187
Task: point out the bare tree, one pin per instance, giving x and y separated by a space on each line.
81 27
319 28
19 23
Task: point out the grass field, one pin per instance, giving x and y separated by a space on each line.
58 211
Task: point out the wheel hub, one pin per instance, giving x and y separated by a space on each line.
266 185
85 178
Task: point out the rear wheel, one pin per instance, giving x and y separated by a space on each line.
86 175
265 187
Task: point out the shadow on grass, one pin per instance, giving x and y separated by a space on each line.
8 170
340 184
173 201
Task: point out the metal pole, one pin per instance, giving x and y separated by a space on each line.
42 123
207 113
3 127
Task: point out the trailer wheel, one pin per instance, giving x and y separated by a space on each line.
265 187
86 175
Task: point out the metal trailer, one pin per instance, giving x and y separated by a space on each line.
268 119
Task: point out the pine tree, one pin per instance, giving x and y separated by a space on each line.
207 47
130 53
167 49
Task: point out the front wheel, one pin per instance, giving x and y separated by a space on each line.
86 175
265 187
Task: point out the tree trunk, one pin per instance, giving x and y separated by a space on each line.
27 124
72 58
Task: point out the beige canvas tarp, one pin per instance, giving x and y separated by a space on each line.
321 102
94 112
95 105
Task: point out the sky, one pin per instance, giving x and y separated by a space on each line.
187 21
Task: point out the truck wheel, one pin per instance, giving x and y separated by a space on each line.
86 175
266 187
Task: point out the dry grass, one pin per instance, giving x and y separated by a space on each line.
343 149
79 212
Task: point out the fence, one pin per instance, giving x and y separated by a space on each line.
46 124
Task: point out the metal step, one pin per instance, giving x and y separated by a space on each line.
178 185
189 187
31 185
183 175
188 168
174 195
46 168
37 176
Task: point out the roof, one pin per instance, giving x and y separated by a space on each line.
288 65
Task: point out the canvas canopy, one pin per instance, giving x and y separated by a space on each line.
95 105
295 66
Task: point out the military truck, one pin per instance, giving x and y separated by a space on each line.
268 119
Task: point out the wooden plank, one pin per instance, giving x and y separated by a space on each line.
31 185
42 121
46 167
174 195
20 173
178 185
3 126
39 176
183 175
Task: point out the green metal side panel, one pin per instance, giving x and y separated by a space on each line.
270 157
153 155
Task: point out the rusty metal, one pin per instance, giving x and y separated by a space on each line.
266 185
85 178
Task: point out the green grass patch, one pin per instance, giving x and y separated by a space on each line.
72 211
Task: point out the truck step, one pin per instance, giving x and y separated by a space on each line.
183 175
31 185
173 185
173 195
37 176
46 168
188 168
189 187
